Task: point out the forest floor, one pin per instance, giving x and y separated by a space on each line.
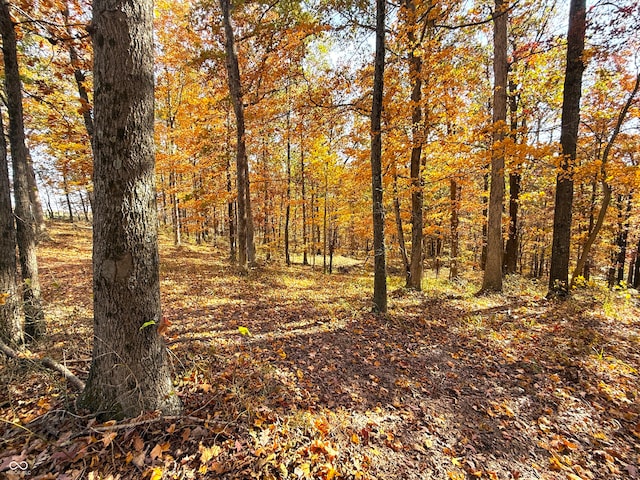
286 373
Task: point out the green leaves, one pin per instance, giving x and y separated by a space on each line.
147 324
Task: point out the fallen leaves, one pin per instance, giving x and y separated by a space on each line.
443 387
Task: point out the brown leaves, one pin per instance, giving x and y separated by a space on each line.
429 388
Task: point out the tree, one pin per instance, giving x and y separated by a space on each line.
492 279
246 248
606 187
26 232
414 277
380 269
560 248
129 370
10 322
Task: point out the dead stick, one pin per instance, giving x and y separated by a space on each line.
48 363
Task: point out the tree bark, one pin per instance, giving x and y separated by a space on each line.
636 268
35 200
512 246
305 236
414 277
231 211
562 213
287 219
492 280
130 372
455 208
11 330
615 275
79 77
401 242
380 269
26 230
246 248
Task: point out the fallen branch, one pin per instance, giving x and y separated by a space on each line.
48 363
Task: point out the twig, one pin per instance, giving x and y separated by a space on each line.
148 421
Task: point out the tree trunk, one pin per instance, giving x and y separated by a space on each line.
636 268
380 269
67 196
414 280
130 372
325 211
485 214
623 237
287 219
305 238
79 76
455 208
245 223
11 331
492 280
512 246
175 208
562 213
35 200
401 243
231 214
26 232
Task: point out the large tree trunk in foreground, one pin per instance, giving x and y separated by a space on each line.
562 213
10 322
26 229
380 268
129 372
492 280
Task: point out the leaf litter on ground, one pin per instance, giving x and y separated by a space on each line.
285 373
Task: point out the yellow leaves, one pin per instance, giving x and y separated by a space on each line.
544 423
303 471
156 474
208 453
322 425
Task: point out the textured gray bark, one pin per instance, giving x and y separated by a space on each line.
562 213
492 280
246 247
380 268
26 232
414 277
129 372
10 322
